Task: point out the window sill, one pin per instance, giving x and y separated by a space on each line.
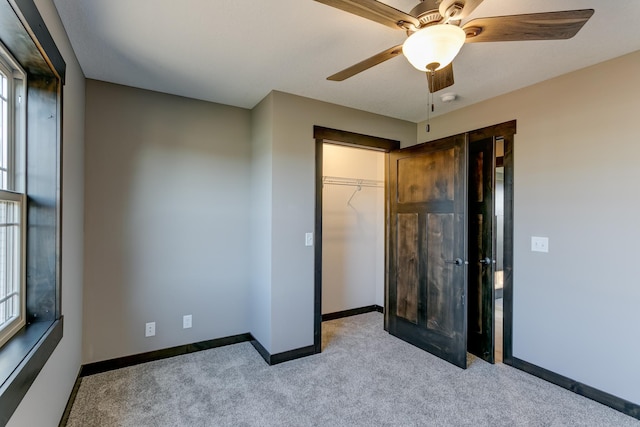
21 359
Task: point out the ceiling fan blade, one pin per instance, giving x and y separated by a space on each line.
366 64
451 8
440 79
534 26
374 11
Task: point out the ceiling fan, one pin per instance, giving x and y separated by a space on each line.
435 33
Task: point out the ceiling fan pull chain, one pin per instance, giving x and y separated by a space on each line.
429 114
430 105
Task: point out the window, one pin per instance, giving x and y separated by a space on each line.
12 280
30 199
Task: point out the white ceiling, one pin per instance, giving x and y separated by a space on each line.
236 51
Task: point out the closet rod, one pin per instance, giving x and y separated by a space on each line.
354 182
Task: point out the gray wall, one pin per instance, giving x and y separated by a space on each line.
46 399
576 182
167 190
261 207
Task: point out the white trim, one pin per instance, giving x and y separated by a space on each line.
14 168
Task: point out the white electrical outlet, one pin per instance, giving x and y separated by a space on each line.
308 239
150 329
186 321
539 244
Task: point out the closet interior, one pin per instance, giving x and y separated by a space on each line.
353 235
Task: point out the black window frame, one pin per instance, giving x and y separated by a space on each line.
25 35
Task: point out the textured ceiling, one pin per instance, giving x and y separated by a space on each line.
236 51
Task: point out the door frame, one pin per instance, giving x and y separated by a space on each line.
324 135
506 131
481 279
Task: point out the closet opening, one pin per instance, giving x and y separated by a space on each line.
350 233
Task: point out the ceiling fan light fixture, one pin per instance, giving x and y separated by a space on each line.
433 46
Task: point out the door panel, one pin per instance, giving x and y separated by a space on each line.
426 178
407 273
427 190
481 249
440 293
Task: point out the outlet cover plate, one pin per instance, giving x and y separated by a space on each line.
150 329
187 321
539 244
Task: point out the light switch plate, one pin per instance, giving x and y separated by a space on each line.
308 239
539 244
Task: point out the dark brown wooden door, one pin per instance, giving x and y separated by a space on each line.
481 295
427 250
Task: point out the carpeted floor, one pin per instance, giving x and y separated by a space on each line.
363 377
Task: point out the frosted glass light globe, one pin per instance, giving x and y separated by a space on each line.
436 44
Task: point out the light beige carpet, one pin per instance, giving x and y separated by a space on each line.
363 377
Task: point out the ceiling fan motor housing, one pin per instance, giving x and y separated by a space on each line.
427 13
